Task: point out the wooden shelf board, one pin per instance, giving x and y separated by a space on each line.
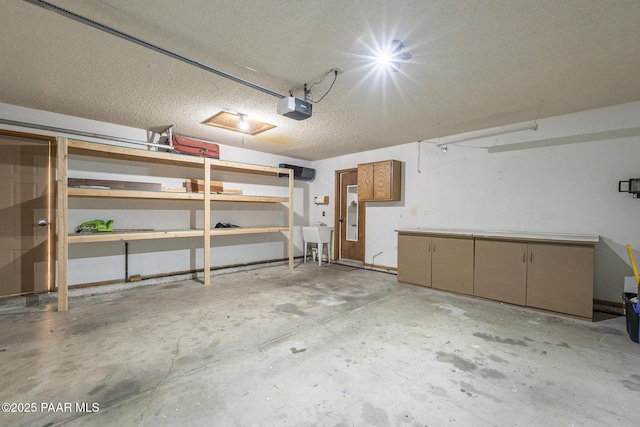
135 154
168 195
132 235
247 230
168 234
226 166
244 198
135 194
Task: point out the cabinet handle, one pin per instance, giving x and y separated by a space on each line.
531 256
429 250
434 248
524 256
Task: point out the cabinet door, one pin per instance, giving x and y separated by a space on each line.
365 182
501 271
382 174
414 259
387 180
452 264
560 278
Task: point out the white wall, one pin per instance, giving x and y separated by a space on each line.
96 262
567 187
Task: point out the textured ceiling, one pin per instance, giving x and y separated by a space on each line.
476 64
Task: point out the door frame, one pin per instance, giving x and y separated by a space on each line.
336 218
51 230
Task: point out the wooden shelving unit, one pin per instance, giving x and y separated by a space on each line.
68 146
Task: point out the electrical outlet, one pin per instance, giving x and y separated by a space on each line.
322 213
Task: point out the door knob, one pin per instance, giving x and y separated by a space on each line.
43 223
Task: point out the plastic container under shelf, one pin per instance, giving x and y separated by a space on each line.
632 316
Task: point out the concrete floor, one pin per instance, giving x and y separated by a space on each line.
311 347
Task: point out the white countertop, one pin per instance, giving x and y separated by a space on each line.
321 227
526 235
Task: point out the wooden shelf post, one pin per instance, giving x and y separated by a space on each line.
63 221
207 222
291 216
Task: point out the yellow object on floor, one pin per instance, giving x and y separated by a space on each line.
633 265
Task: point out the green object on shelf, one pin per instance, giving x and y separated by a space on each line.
97 225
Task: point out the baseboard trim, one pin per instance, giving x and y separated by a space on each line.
378 267
96 288
610 307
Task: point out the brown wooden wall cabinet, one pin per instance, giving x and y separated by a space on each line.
380 181
554 275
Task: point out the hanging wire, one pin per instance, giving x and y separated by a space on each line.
335 77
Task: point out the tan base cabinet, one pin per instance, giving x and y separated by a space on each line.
501 271
551 276
554 275
414 259
452 265
440 262
560 278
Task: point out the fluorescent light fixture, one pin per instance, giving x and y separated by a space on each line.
237 122
485 133
569 139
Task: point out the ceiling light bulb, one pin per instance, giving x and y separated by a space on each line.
389 58
383 59
242 123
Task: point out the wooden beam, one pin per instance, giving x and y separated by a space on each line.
62 223
291 217
207 222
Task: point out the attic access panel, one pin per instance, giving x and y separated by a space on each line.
231 121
